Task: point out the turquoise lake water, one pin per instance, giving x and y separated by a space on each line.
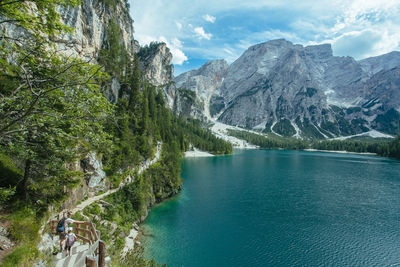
280 208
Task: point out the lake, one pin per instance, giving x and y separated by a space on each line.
280 208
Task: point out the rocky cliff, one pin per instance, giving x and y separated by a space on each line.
90 21
155 61
200 84
301 91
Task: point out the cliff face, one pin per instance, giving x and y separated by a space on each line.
90 21
155 62
202 83
302 91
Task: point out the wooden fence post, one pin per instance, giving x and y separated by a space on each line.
90 262
102 254
52 225
86 234
98 234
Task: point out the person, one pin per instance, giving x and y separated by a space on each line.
63 225
61 231
70 221
71 238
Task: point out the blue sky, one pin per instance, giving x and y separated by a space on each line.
201 30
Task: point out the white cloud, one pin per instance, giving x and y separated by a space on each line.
358 28
228 51
209 18
177 43
178 25
366 28
202 34
178 56
175 46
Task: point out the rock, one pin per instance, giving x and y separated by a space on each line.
47 243
3 231
202 82
113 93
293 90
95 175
5 242
104 203
122 234
90 21
40 263
156 65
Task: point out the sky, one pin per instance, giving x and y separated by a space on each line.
197 31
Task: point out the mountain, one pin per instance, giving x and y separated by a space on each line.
294 90
203 83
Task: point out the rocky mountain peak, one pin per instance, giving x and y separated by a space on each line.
319 52
212 67
202 82
376 64
90 21
302 91
156 63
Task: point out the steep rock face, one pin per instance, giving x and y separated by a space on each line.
374 65
201 83
90 21
155 62
305 91
382 92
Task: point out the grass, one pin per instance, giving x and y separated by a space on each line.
25 230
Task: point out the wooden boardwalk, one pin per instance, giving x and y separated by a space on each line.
90 251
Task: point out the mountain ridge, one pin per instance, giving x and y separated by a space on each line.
321 95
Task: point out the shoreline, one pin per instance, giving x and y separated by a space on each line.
196 153
340 151
135 238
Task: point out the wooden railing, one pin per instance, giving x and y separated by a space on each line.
86 231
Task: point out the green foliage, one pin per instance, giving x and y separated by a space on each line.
311 91
92 209
308 128
284 127
392 150
359 146
216 105
147 50
135 259
51 109
52 114
270 141
352 110
113 55
109 3
5 194
188 94
10 175
388 122
192 131
382 147
25 230
45 19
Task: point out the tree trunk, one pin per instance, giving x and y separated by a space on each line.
24 185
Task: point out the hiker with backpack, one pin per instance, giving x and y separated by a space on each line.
71 238
61 231
62 227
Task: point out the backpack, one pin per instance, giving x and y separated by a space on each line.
60 225
70 240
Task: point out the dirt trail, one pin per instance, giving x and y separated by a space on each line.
143 166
